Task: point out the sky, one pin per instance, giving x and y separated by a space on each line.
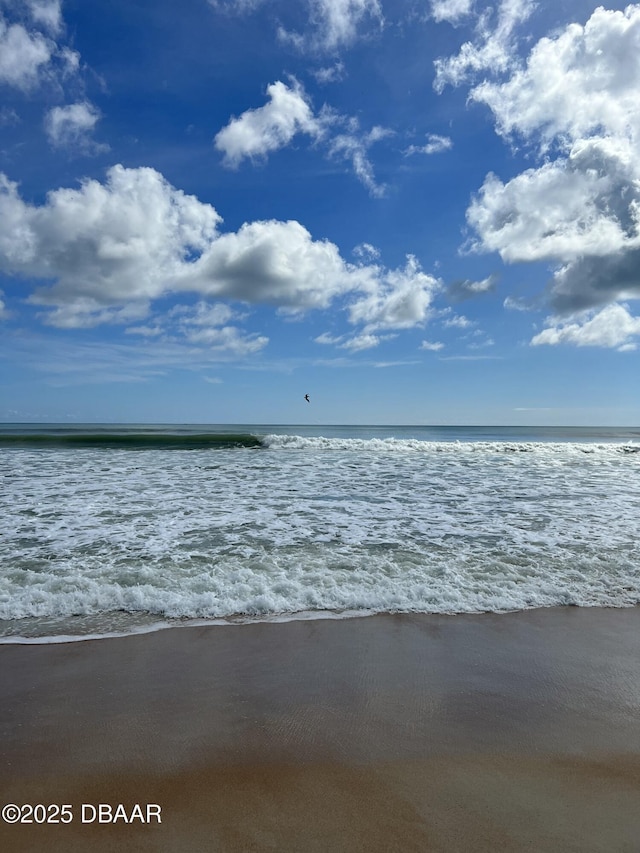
415 211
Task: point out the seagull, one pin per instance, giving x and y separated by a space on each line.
306 397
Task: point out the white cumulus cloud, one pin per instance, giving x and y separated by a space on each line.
576 101
583 80
72 126
23 55
560 211
612 327
103 245
273 263
32 50
104 252
399 299
260 131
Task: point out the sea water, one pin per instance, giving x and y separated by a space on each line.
107 529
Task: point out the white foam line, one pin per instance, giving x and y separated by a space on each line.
300 616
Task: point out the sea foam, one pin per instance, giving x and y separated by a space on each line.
315 525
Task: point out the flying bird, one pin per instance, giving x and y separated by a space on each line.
306 397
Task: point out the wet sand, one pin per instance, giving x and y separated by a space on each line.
515 732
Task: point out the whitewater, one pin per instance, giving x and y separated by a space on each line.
113 530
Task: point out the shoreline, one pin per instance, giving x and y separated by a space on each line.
514 731
274 619
196 622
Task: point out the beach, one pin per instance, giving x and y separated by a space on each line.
487 732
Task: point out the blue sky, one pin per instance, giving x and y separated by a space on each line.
421 211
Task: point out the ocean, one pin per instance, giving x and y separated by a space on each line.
114 529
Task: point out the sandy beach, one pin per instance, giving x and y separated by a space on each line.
387 733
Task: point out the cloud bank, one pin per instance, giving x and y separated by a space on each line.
574 103
103 253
